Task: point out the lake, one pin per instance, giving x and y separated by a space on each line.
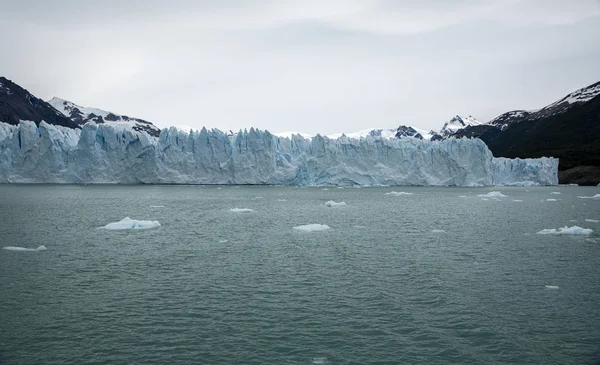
425 275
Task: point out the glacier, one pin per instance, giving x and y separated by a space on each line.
102 153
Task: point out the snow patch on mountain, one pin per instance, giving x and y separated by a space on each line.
82 115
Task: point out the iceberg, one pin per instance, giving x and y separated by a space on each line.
312 228
398 193
332 204
103 153
575 230
13 248
241 210
127 224
493 194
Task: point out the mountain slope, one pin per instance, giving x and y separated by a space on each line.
82 115
18 104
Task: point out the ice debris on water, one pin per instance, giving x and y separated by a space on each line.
157 206
223 241
592 220
13 248
319 360
493 194
312 227
332 204
281 200
597 196
398 193
551 200
517 200
551 286
463 196
575 230
438 231
131 224
241 210
555 193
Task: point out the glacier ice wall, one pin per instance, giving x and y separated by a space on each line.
106 154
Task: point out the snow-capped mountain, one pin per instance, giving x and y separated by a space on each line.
81 115
504 120
577 97
457 123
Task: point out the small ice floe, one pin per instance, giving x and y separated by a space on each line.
219 188
324 189
597 196
319 360
13 248
131 224
281 200
332 204
592 220
517 200
573 184
492 194
555 193
241 210
359 227
257 198
575 230
551 286
223 241
551 200
312 228
398 193
438 231
463 196
572 220
157 206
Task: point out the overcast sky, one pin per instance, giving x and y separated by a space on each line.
303 65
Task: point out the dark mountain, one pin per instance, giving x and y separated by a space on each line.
18 104
404 131
568 129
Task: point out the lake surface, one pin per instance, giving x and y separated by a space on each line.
440 276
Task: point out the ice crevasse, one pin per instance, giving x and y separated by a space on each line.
101 153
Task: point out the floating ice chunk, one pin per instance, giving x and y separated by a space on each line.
281 200
438 231
551 286
575 230
312 227
573 220
592 220
325 189
485 199
257 197
551 200
517 200
332 204
359 227
219 188
555 193
398 193
492 194
597 196
131 224
241 210
463 196
223 241
13 248
157 206
319 360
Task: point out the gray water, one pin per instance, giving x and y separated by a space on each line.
378 288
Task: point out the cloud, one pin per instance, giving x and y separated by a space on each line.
311 66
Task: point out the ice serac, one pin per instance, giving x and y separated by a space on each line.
102 153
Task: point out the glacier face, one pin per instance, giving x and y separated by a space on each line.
100 153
